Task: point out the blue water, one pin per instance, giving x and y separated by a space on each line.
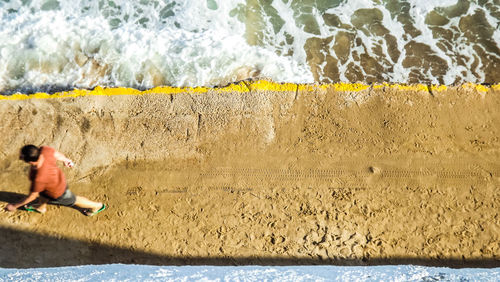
119 272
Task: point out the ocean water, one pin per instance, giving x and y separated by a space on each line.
120 272
52 45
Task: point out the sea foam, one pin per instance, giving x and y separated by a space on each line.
50 45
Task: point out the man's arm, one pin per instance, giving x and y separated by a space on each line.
30 198
60 157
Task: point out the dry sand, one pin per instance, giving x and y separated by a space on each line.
379 176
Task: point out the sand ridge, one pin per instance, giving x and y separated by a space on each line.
380 175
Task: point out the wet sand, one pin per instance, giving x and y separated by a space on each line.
378 176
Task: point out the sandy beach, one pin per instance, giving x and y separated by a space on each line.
383 175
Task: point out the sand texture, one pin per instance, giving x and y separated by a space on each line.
378 176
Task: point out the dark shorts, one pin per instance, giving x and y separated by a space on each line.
67 199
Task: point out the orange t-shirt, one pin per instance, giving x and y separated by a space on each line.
49 178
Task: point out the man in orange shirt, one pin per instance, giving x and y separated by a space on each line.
48 183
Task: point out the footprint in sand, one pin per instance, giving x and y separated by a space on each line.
374 170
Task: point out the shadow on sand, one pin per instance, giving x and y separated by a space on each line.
21 249
9 197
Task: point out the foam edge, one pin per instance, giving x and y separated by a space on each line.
243 87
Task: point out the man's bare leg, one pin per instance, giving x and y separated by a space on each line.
85 203
42 205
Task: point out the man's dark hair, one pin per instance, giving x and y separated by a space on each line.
30 153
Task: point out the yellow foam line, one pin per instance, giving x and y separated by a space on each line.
350 87
438 88
478 87
416 87
271 86
242 87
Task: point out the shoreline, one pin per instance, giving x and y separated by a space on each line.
249 86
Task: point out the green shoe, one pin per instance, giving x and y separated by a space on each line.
89 213
31 209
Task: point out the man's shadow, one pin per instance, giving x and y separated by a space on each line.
11 197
